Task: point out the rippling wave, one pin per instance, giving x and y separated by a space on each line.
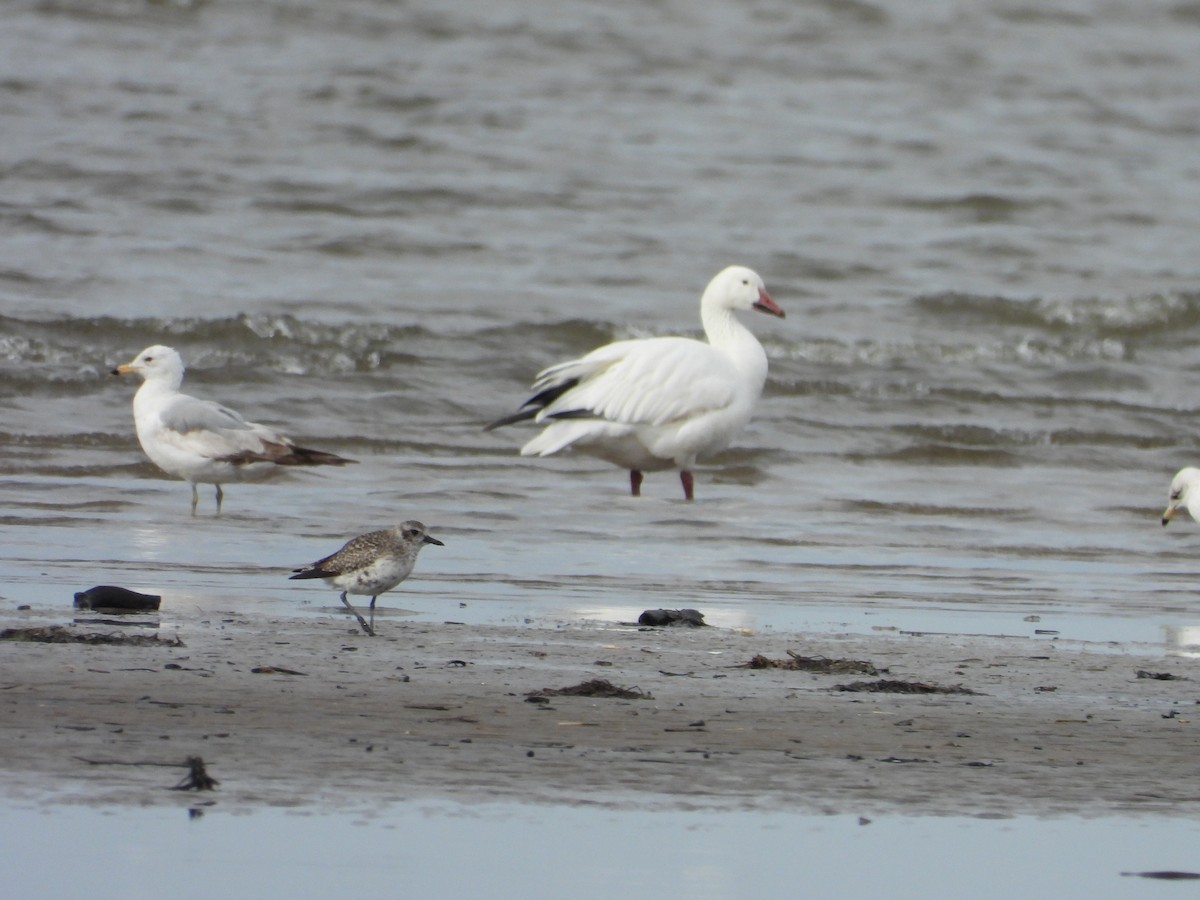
964 329
1128 318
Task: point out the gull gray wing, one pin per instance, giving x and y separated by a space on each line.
217 432
184 414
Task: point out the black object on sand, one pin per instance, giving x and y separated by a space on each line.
687 617
107 596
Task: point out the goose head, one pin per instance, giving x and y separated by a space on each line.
739 288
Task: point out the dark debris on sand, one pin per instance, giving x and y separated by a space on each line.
197 778
597 687
892 686
57 634
820 665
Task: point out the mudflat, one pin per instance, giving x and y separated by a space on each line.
308 712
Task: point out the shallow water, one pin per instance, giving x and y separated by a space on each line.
449 850
372 222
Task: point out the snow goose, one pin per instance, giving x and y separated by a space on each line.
658 403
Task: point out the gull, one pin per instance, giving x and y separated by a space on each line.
658 403
1183 495
201 441
371 564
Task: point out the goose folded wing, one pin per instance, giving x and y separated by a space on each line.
647 382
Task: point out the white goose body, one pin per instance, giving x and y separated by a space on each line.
658 403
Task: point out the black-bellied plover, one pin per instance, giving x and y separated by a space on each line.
201 441
658 403
371 564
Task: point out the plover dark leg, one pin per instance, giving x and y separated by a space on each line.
361 621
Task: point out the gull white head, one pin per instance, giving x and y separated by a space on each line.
1185 491
737 287
157 363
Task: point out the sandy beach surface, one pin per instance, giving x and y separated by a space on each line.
308 712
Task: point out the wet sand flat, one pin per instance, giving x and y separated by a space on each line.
306 712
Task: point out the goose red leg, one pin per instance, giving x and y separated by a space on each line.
686 479
635 482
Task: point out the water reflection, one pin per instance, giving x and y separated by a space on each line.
1182 640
